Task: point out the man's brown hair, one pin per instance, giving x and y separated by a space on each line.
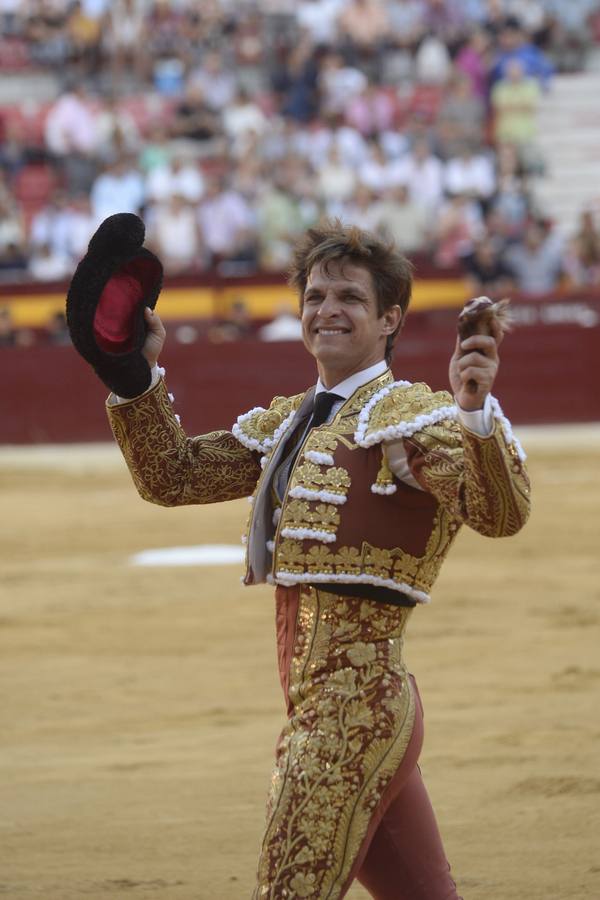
331 241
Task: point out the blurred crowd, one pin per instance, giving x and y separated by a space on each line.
232 125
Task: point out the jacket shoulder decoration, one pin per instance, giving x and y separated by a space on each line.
261 429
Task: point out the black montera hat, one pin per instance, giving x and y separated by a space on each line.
113 283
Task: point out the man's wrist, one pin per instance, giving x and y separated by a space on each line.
156 372
479 421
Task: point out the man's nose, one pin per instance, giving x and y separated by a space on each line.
330 305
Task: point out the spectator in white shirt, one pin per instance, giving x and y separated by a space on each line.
65 224
50 224
285 326
422 171
116 130
120 188
337 180
80 224
243 119
45 264
432 61
358 210
318 19
173 234
470 173
407 21
180 176
339 83
378 172
218 85
352 145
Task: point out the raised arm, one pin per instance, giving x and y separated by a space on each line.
168 467
481 481
480 477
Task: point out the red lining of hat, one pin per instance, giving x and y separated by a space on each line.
124 292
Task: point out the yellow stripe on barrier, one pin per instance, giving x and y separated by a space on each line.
262 301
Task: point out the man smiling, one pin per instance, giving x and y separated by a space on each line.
341 323
359 487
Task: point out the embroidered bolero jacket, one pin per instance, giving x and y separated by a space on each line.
343 517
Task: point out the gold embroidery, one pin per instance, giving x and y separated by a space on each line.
301 514
290 556
170 469
348 561
479 481
321 441
311 476
262 425
353 714
395 565
377 561
319 559
404 404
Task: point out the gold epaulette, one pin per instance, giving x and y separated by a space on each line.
401 409
261 428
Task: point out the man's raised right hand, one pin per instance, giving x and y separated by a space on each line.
155 337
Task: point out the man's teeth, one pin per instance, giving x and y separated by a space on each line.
331 331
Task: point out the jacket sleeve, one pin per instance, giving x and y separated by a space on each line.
481 481
171 469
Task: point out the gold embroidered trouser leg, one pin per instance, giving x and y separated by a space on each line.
351 716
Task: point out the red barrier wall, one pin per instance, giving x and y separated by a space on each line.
549 373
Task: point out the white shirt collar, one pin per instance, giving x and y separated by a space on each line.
347 387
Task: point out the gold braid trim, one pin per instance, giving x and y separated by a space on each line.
479 480
171 469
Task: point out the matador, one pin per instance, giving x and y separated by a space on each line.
358 488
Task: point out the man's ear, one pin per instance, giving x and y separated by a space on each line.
392 319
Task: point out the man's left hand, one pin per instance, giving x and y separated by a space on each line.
474 360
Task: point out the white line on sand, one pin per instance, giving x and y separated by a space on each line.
201 555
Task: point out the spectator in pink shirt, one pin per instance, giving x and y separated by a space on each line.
70 125
227 224
372 111
474 60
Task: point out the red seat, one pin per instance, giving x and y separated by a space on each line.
33 186
425 100
28 119
14 55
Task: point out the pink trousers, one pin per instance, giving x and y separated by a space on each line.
401 856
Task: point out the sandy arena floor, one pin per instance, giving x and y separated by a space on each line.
139 707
